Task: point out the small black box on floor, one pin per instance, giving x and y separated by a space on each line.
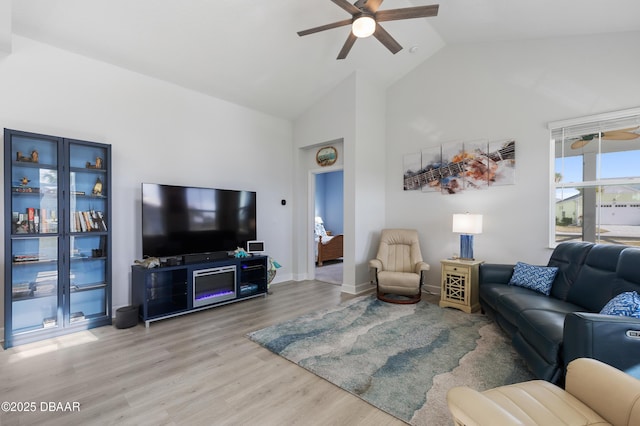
127 317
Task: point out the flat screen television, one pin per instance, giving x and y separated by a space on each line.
179 220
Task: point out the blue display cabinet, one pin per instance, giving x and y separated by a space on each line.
57 236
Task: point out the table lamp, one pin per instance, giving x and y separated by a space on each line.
467 225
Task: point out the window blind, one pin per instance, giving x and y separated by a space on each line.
627 119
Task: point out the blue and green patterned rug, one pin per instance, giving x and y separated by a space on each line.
399 358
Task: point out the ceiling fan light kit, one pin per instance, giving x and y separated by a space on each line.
365 21
363 26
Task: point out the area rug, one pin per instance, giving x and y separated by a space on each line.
400 358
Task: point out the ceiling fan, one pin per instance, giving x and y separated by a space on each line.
616 135
365 18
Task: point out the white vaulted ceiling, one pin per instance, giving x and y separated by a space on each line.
248 52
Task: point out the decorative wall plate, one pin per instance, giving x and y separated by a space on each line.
326 156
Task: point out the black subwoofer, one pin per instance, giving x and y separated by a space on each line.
127 317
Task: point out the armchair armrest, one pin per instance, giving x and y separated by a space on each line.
471 408
608 391
614 340
495 273
375 264
422 266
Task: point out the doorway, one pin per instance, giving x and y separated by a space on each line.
329 226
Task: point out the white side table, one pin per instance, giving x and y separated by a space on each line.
459 288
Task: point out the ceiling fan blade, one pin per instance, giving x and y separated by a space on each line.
347 46
385 38
325 27
620 136
579 143
347 6
370 6
407 13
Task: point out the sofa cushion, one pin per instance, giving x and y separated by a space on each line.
536 278
568 257
490 293
625 304
511 305
593 286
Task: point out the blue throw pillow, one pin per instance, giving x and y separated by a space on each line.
625 304
537 278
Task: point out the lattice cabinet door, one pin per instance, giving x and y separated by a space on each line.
459 286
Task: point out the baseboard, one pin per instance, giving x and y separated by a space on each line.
358 288
281 278
299 277
431 289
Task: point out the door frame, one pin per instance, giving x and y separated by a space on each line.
311 209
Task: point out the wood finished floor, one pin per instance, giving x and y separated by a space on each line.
197 369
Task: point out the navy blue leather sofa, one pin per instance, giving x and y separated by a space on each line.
550 331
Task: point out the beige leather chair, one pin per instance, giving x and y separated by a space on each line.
595 394
398 267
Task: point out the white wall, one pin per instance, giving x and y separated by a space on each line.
368 175
5 27
159 132
329 121
353 112
496 91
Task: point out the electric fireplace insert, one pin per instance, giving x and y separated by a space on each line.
214 285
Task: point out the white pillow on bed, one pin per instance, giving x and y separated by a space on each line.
320 230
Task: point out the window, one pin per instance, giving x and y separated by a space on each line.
595 184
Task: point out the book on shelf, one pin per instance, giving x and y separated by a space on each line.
43 221
75 222
34 221
26 258
25 190
99 218
31 225
88 221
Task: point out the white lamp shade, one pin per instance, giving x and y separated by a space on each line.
363 26
319 219
466 223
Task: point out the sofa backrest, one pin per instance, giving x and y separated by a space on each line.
568 258
594 285
627 272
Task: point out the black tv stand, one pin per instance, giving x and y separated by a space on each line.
169 291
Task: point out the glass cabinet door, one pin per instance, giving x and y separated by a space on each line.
88 226
34 241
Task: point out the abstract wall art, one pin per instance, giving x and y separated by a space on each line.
456 166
